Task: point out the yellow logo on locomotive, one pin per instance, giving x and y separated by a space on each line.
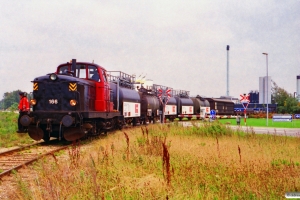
72 87
35 86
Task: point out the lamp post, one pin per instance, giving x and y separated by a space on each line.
267 87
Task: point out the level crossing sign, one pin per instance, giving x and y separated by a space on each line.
164 95
244 100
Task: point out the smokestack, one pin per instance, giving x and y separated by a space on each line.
227 91
73 67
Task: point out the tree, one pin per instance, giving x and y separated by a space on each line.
279 95
285 101
291 105
14 107
9 99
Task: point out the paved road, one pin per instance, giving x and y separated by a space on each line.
295 132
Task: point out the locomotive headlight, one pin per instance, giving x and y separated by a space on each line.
53 77
33 102
73 102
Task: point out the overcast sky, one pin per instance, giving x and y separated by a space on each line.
177 43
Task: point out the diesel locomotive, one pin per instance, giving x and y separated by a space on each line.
72 102
84 99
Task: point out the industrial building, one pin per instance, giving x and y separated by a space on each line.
265 90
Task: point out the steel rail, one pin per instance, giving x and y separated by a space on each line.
6 172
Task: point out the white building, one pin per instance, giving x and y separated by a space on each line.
147 84
265 90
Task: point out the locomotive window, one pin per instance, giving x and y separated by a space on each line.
63 70
81 72
104 76
93 73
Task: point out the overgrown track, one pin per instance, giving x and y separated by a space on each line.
16 158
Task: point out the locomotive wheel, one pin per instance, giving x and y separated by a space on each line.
35 133
73 133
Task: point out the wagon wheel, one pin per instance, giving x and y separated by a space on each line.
145 120
134 122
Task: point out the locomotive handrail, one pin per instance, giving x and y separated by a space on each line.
121 78
181 93
121 75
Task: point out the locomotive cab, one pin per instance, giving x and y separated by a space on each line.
96 75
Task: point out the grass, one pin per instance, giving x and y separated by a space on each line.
169 162
8 128
260 122
9 137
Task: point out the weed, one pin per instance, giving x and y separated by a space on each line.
239 149
74 153
218 147
23 187
127 142
166 164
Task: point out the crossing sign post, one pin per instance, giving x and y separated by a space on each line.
245 101
164 94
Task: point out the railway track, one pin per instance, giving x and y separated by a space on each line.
17 158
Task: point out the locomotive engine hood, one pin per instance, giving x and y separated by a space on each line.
53 77
59 92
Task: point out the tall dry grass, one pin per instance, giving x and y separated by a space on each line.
170 162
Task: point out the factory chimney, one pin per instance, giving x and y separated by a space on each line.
227 91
